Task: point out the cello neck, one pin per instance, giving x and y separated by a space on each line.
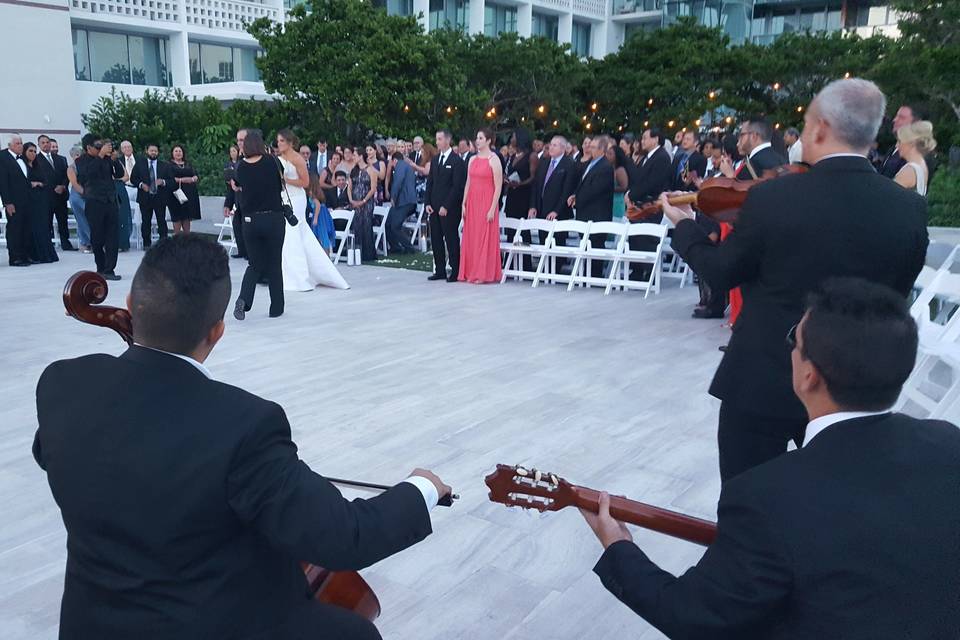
647 516
687 198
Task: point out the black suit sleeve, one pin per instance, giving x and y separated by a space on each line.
299 511
536 192
735 260
741 583
455 197
918 256
600 181
4 182
428 194
698 163
569 188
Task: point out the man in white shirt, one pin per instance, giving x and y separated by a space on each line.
852 535
791 137
322 157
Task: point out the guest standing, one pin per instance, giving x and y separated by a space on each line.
553 184
258 175
520 170
58 188
443 202
403 202
41 245
129 161
124 215
915 142
621 179
362 189
593 196
15 193
328 175
906 114
232 203
150 176
185 178
96 172
379 167
480 261
76 202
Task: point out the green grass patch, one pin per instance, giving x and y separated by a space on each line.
412 261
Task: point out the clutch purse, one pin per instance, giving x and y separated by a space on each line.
180 196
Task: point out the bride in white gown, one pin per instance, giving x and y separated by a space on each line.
305 263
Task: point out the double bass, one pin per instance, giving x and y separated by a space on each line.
82 297
719 198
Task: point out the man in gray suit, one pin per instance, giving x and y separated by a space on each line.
403 196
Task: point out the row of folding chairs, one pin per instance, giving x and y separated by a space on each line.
933 387
544 242
412 225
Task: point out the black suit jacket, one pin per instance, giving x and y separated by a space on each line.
853 536
652 177
595 192
334 202
892 164
839 219
14 186
141 176
60 176
554 195
189 519
697 163
764 160
445 184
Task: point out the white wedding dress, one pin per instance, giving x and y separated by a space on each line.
305 263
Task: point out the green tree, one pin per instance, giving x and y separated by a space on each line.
348 69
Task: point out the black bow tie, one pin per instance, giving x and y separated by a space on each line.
19 157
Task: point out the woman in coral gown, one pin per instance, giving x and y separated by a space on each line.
480 246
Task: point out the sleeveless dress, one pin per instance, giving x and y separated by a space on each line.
304 262
189 210
363 217
480 246
921 173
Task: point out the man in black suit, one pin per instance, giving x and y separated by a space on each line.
97 174
854 535
553 184
653 176
839 219
906 114
338 197
232 203
190 519
150 177
443 202
54 167
593 192
15 193
755 145
688 162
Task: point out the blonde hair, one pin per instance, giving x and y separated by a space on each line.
920 133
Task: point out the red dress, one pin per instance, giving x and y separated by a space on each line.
480 246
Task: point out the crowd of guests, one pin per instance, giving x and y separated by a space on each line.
97 183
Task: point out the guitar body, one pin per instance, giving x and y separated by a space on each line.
345 589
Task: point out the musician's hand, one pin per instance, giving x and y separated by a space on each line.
604 526
676 214
442 489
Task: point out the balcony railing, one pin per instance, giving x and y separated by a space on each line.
153 10
621 7
232 15
596 8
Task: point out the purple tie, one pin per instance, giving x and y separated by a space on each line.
553 165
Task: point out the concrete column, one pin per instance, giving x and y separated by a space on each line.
180 59
475 23
565 28
599 38
421 9
525 20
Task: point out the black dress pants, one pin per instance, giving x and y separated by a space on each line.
104 220
445 233
19 233
238 233
396 236
263 237
747 439
59 211
153 207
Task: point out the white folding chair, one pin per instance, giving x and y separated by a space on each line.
414 224
344 236
547 267
611 251
508 248
534 248
673 265
380 230
225 236
620 275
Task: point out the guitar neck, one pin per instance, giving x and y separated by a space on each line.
647 516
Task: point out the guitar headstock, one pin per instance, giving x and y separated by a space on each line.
517 486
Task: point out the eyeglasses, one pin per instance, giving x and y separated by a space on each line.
792 337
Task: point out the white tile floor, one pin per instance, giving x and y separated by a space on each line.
400 372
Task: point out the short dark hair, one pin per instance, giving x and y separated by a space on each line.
180 291
253 144
51 139
88 140
919 111
446 133
761 126
655 132
861 338
41 137
488 134
396 156
340 174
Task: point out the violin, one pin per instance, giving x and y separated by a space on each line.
719 198
82 296
517 486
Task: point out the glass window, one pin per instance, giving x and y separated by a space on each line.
148 61
196 77
499 19
545 26
216 63
735 19
109 57
833 20
449 14
244 64
580 39
81 55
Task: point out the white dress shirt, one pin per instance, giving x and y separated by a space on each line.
429 491
816 426
760 147
20 163
795 152
652 151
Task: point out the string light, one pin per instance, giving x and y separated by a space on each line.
670 124
697 122
646 123
729 119
620 128
542 109
406 108
776 86
712 95
800 109
650 102
776 126
449 110
584 118
556 123
593 107
846 75
589 126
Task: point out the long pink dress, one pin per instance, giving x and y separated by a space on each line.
480 246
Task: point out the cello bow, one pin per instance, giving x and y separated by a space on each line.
82 297
516 486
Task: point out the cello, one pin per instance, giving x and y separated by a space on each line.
82 297
719 198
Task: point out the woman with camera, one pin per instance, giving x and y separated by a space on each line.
258 174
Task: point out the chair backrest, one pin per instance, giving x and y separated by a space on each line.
536 224
647 229
572 226
342 214
615 232
381 212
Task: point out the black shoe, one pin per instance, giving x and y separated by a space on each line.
437 276
275 315
20 263
68 247
110 276
722 348
453 279
706 314
238 310
239 256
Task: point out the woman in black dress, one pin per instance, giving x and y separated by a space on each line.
517 179
41 247
181 213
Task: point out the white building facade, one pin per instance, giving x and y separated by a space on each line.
58 57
